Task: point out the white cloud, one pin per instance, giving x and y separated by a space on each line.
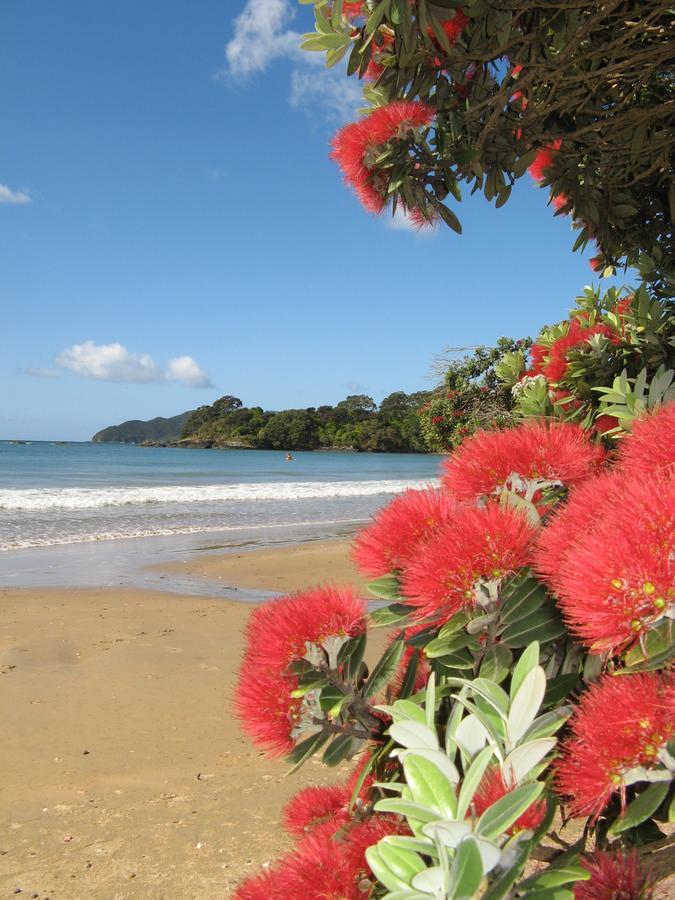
262 35
113 362
187 370
16 198
338 96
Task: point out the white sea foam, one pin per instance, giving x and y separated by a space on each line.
33 500
34 542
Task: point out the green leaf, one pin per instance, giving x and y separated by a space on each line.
387 587
528 660
447 215
302 751
382 871
429 786
555 876
544 626
501 887
408 683
403 862
407 808
525 705
343 747
413 735
375 18
502 814
641 808
355 657
385 667
496 663
393 614
466 872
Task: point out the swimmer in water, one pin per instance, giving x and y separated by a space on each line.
289 457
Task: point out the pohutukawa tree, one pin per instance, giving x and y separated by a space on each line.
516 738
477 93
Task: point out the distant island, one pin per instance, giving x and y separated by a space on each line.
355 423
137 432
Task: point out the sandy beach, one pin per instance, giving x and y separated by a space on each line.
124 773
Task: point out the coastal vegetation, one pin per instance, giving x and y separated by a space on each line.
516 739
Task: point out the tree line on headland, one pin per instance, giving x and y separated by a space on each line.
421 422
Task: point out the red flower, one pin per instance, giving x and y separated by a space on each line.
523 460
314 806
357 144
561 203
352 10
267 712
400 528
324 866
651 443
278 633
492 788
466 560
570 521
605 423
538 357
382 43
452 28
615 875
543 160
621 723
577 335
597 263
616 577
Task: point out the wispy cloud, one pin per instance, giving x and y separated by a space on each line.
262 35
16 198
329 89
113 362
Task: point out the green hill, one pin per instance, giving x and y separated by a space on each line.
136 432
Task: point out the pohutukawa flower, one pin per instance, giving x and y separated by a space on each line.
290 628
619 734
314 806
357 145
544 160
452 28
352 10
310 625
614 574
524 460
577 335
400 528
615 875
271 717
572 521
466 562
324 866
651 443
493 788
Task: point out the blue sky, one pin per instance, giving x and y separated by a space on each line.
171 228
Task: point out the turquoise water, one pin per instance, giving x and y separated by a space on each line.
54 494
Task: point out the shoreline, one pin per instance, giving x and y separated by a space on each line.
157 562
126 774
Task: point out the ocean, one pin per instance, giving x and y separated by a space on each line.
64 496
